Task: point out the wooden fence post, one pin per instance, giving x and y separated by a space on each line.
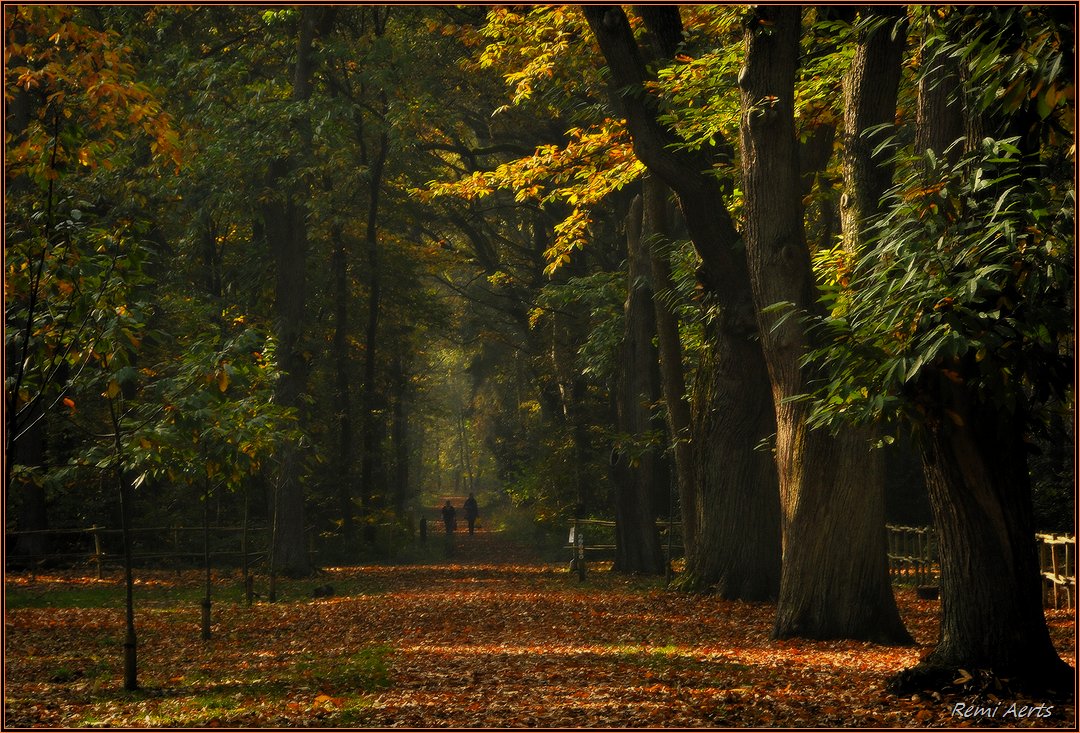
176 550
97 550
579 540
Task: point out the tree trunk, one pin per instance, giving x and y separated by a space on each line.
638 467
208 585
569 392
123 485
975 462
24 437
731 529
939 116
991 589
32 513
656 233
735 504
870 91
370 495
870 97
835 581
735 467
131 643
342 391
399 435
286 232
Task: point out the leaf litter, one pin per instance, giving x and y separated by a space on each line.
473 643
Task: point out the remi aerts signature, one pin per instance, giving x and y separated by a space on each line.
1014 710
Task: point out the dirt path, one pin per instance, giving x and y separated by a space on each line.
485 637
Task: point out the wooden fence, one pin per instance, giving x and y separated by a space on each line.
912 555
913 559
168 546
599 536
912 552
1057 560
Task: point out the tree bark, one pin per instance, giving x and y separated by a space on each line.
639 470
32 513
939 116
656 233
991 589
835 581
735 504
736 470
870 92
342 387
286 233
399 436
370 437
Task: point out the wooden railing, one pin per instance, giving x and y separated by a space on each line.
913 559
176 543
599 535
912 555
1057 561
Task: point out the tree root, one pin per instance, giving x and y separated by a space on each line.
1050 682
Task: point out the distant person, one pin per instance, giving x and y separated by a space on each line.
448 513
471 512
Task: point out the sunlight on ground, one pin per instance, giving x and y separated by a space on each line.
464 645
845 655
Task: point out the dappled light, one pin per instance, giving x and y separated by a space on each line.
468 643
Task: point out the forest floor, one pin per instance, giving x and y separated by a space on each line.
486 637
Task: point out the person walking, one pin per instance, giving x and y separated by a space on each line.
472 511
448 513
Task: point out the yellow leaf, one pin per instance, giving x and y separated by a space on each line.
222 380
112 390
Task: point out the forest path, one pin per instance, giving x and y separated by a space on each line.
486 637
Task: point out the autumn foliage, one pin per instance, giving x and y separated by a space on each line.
490 639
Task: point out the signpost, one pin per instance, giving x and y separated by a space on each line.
577 539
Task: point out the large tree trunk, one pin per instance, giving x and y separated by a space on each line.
736 552
835 581
975 462
287 238
638 470
991 590
735 467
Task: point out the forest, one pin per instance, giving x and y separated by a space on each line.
280 281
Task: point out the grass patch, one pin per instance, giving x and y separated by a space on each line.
659 661
165 590
365 670
111 595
